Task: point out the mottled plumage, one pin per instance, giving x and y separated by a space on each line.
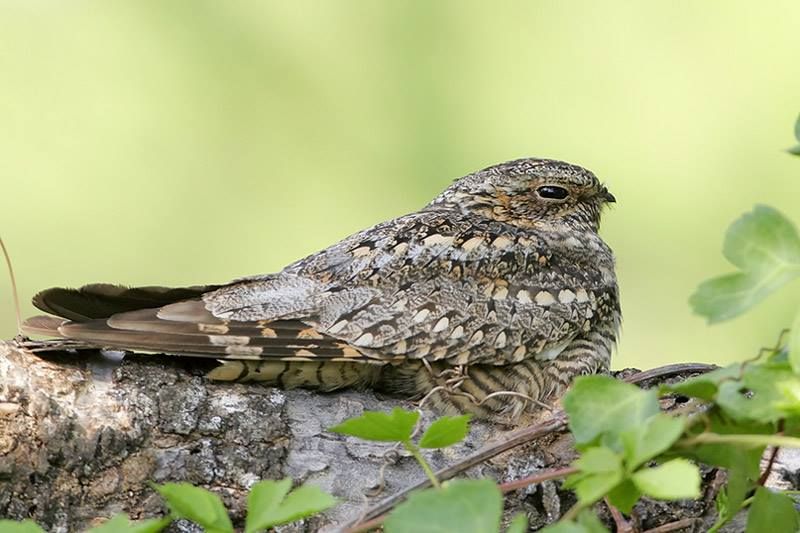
500 285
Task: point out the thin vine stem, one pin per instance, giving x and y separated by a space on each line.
414 450
14 292
745 440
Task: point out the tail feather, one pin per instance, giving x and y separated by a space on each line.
42 325
290 353
101 300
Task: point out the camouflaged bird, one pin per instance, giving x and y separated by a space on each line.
489 299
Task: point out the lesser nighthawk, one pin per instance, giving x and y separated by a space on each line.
489 299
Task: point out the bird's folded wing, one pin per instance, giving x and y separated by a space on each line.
189 329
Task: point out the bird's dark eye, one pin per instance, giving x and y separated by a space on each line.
552 192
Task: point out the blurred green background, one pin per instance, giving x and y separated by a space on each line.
189 142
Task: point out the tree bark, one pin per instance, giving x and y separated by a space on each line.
82 435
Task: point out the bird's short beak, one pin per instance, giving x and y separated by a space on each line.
608 196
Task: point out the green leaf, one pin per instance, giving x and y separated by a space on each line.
599 460
706 385
745 458
730 499
587 523
396 426
765 246
600 405
263 501
655 436
519 524
771 512
120 524
794 345
445 431
463 505
268 507
201 506
674 480
590 523
600 471
765 393
25 526
592 488
762 241
624 496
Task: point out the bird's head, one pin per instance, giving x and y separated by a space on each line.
536 193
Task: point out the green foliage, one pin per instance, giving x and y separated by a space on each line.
620 445
519 524
643 443
200 506
396 426
765 246
771 511
602 407
271 504
600 471
675 480
445 431
25 526
464 505
749 402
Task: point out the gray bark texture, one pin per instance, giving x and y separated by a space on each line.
81 436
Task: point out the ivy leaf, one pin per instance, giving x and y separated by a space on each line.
120 524
587 522
600 405
673 480
771 512
396 426
25 526
644 442
463 505
519 524
600 471
794 345
445 431
765 246
269 505
201 506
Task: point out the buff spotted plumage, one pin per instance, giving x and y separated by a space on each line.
490 299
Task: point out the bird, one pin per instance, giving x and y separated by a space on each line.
489 300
